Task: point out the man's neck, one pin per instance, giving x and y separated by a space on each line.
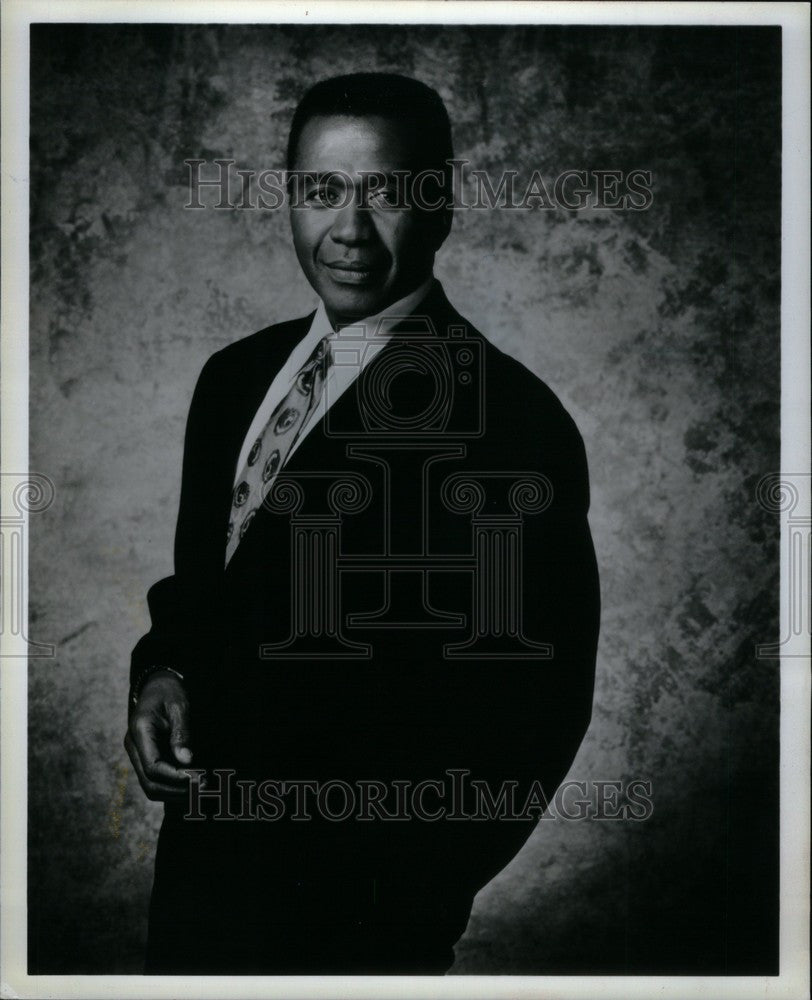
406 302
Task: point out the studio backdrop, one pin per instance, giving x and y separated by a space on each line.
657 325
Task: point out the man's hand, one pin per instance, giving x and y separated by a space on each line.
158 740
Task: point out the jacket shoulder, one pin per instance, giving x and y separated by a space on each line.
257 348
533 396
519 395
531 427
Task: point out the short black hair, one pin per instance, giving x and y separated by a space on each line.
415 106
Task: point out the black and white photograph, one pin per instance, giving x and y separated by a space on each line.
406 524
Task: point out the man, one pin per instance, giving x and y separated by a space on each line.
383 576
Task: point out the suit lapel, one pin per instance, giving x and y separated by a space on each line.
254 379
325 447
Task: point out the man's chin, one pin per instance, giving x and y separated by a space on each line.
353 304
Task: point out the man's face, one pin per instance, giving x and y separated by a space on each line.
358 252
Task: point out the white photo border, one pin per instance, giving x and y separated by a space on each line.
17 15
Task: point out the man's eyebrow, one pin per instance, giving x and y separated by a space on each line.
318 176
389 176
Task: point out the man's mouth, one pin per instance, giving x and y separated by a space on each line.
353 272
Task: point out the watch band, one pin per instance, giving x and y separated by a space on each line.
147 672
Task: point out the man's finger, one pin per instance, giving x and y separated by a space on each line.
155 767
179 737
157 791
164 770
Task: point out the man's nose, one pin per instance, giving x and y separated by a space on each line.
352 223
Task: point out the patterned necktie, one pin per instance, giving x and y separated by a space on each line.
269 451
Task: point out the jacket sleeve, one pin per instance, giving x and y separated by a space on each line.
183 606
562 607
517 723
531 714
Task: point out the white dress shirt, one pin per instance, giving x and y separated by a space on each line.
352 348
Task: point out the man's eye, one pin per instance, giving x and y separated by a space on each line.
386 197
326 194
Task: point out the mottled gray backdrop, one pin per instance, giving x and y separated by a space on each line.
659 330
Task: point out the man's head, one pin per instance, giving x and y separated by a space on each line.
371 189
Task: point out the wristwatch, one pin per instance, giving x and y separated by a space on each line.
147 672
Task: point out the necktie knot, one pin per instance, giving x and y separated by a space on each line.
318 362
321 352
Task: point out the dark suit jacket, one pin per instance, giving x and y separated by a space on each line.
436 479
